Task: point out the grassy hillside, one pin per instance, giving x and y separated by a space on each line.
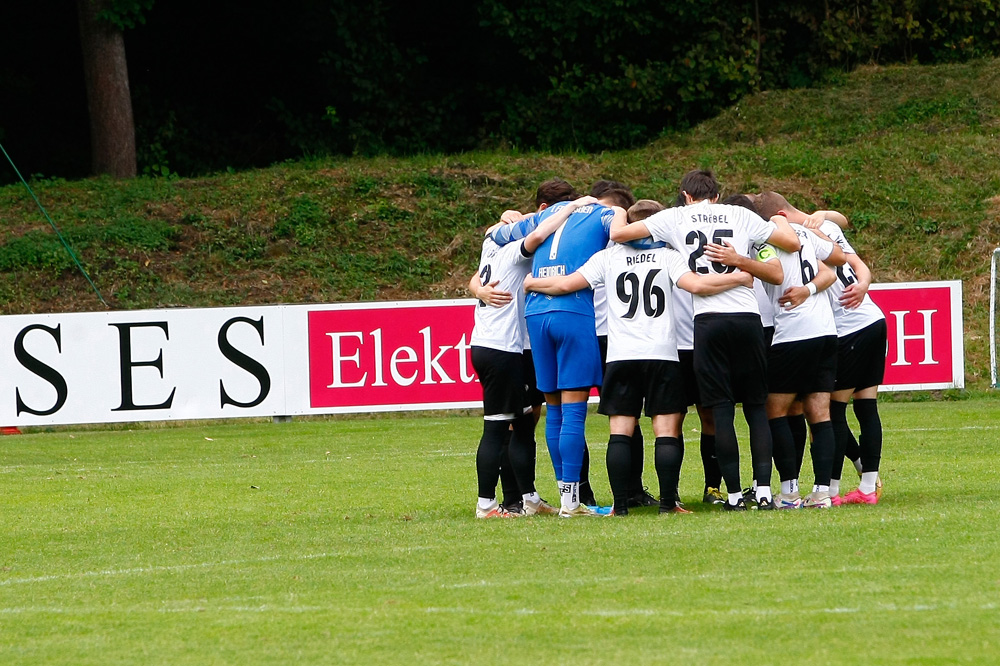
909 154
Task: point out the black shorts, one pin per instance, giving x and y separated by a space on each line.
533 397
502 377
768 336
861 358
627 384
803 366
730 360
688 382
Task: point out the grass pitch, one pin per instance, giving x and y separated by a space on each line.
352 541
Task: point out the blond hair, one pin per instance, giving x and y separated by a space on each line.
642 209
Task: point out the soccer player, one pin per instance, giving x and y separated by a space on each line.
564 340
514 225
638 495
497 356
642 363
549 192
729 352
766 268
802 356
861 348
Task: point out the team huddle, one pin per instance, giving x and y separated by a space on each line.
749 301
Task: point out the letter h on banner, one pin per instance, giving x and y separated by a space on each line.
927 336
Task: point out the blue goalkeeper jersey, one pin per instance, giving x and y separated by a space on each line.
586 232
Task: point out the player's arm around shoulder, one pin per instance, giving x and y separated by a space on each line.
552 222
816 220
827 250
590 275
557 285
622 232
488 293
702 285
783 236
765 267
508 230
795 296
855 293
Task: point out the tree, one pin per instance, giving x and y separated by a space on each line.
112 129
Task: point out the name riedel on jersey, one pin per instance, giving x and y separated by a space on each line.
644 258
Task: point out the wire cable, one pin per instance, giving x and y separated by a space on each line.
55 228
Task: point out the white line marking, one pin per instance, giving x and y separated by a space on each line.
145 570
599 612
648 612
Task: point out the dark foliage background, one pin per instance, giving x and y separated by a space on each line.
228 84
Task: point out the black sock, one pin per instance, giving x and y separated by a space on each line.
761 447
823 451
619 461
842 437
668 456
866 409
508 480
488 456
797 424
784 448
586 491
522 453
713 476
635 474
727 449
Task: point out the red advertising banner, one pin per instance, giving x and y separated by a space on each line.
924 325
416 355
399 354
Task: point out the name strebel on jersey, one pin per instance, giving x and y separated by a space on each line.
551 271
703 218
644 258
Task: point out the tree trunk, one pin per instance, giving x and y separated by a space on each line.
112 131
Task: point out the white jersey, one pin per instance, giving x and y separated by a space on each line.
684 319
601 310
848 320
640 304
601 306
763 304
502 328
813 318
689 228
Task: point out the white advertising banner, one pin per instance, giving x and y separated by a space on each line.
286 360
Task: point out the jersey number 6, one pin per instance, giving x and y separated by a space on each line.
654 301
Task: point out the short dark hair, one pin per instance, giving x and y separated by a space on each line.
740 200
599 188
769 203
642 209
616 197
553 191
700 184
